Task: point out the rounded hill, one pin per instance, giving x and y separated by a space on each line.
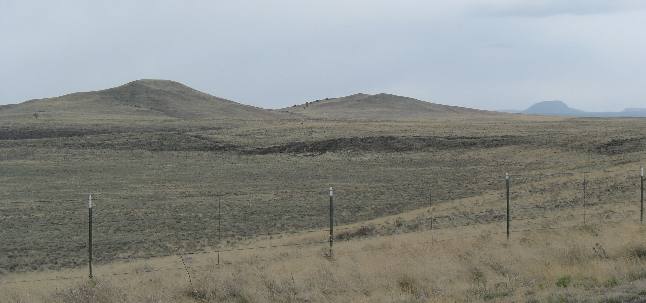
379 107
148 97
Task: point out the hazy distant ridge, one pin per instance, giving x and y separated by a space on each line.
560 108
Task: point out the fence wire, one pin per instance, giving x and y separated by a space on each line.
543 196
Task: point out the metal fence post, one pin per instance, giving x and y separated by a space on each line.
641 210
585 189
89 245
219 227
507 183
331 220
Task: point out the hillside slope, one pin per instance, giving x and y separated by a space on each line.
154 98
379 107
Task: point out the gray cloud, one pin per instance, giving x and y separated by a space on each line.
277 53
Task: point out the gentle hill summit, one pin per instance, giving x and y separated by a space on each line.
556 108
156 98
379 107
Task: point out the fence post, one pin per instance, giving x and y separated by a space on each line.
585 189
507 181
641 211
89 245
331 220
219 227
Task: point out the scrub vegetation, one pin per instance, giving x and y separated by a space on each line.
158 171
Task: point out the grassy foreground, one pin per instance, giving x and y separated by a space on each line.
567 262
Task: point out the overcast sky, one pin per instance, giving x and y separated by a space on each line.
491 54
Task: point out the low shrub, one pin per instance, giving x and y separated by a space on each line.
564 281
95 291
637 252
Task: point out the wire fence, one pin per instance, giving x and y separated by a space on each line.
607 197
434 240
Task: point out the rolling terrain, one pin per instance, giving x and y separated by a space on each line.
380 107
177 175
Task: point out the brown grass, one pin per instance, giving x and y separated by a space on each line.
574 263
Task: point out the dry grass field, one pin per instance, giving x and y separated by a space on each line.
548 259
157 192
157 176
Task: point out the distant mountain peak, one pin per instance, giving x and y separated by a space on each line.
554 102
552 107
